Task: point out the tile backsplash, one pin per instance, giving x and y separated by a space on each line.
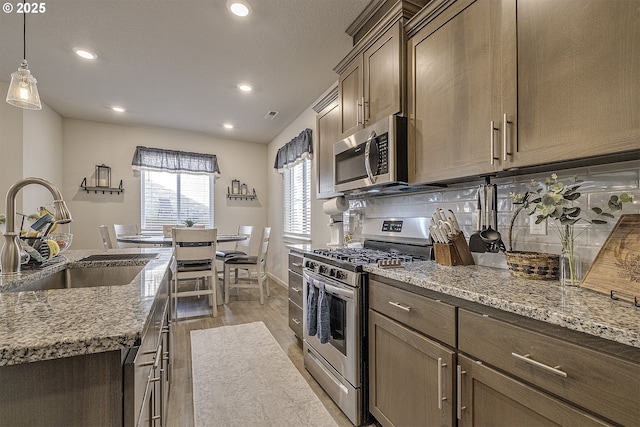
598 184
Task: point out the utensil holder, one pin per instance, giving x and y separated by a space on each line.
456 252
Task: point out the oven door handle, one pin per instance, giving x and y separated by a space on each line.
367 160
347 293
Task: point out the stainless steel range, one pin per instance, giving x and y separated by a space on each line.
335 306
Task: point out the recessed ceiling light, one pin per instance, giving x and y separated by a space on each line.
118 109
84 53
245 87
238 7
228 126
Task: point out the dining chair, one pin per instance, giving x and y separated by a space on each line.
195 255
126 230
107 242
255 264
242 247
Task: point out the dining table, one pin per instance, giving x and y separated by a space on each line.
161 240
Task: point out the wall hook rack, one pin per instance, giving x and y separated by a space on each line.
104 190
240 191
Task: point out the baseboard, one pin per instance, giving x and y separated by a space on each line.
277 280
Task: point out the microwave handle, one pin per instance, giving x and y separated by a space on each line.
367 162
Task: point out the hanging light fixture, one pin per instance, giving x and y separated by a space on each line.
23 91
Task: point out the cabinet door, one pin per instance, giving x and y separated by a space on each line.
489 398
578 63
383 71
327 134
411 377
454 93
350 98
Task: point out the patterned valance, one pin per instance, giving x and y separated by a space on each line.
157 159
294 151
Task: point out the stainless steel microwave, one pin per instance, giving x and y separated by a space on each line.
375 156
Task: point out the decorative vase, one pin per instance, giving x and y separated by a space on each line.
570 265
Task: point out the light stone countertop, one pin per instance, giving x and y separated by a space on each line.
42 325
575 308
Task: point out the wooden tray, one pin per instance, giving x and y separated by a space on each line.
616 269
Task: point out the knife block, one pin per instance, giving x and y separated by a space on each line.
456 252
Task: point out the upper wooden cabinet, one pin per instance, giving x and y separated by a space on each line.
501 84
454 76
327 134
371 83
370 87
577 64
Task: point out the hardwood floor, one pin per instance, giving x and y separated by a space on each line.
242 308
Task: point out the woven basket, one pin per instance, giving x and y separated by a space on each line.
533 265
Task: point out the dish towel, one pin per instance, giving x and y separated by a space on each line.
312 309
324 311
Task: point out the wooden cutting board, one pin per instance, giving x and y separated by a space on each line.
616 269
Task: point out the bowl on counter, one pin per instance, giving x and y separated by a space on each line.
63 240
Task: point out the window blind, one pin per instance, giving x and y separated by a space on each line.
297 199
172 198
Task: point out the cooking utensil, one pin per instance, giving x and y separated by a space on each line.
476 244
492 237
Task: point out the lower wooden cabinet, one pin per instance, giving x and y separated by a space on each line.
487 397
410 376
295 294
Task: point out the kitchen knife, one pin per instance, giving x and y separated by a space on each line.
455 225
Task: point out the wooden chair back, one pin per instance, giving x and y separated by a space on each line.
106 237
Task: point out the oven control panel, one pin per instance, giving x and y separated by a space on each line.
336 273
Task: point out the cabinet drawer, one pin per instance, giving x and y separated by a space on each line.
431 317
295 318
295 288
596 381
295 262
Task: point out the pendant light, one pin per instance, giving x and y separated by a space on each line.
23 91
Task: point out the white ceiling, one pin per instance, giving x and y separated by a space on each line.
177 63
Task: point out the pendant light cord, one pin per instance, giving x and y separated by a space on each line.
24 32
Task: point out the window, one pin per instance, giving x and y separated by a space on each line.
297 199
171 198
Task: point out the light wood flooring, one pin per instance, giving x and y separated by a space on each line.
244 307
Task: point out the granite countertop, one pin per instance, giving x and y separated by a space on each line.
575 308
42 325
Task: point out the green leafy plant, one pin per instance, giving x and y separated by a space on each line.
554 200
3 219
189 222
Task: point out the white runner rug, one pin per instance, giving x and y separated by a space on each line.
242 377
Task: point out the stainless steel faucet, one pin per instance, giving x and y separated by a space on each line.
10 254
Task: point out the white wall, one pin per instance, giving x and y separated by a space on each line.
42 155
277 264
30 145
86 144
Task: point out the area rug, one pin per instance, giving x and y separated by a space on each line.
242 377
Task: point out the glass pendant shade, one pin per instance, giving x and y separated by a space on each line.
23 91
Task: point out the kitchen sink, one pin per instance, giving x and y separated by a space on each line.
85 277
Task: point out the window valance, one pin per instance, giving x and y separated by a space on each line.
157 159
294 151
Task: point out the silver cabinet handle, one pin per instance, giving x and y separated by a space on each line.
358 107
460 408
366 111
527 359
400 306
294 320
493 142
441 398
505 137
297 290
